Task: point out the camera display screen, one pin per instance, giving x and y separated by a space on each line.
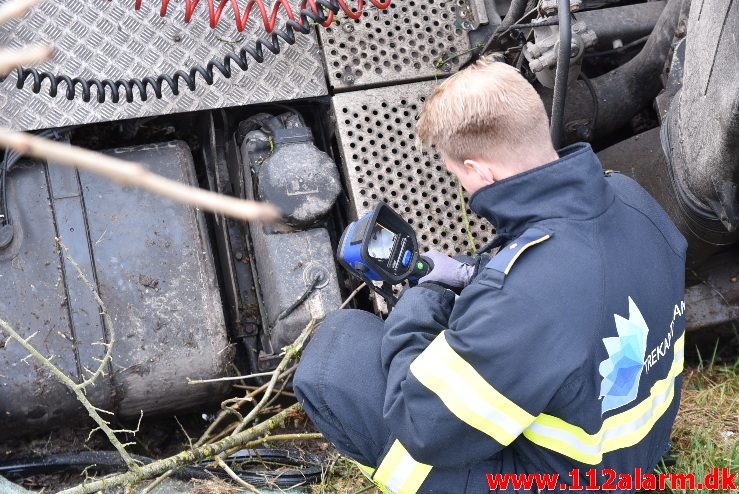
381 243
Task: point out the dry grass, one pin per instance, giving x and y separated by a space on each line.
213 486
706 432
343 477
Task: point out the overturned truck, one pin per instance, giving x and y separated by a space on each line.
321 123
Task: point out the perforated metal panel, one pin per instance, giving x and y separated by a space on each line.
108 39
383 163
410 40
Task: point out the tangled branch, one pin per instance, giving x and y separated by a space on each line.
79 388
190 457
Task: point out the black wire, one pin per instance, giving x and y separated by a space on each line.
311 288
3 191
247 464
552 22
156 83
625 47
10 159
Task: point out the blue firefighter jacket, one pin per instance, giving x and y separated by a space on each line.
566 348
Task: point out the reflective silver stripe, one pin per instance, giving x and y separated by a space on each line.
401 474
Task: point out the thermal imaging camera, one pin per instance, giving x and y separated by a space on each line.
382 246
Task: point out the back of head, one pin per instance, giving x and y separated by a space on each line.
486 111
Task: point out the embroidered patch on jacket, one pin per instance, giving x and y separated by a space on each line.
622 369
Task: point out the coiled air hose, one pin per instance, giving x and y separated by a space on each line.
320 12
216 7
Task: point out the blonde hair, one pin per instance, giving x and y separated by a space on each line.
484 110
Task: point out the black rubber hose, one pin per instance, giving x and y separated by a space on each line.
562 74
62 462
515 12
260 467
624 91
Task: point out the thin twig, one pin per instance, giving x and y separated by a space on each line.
246 485
182 428
230 378
237 403
107 357
78 391
136 175
465 218
307 436
290 352
352 295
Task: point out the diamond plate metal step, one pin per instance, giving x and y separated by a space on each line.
98 38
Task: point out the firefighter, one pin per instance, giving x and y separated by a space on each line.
562 351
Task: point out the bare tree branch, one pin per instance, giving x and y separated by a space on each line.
28 55
13 9
291 351
78 391
102 363
136 175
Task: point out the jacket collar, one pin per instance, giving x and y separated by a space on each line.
571 187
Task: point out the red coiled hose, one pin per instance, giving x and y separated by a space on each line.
216 7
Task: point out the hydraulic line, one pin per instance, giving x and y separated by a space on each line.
313 12
216 8
562 73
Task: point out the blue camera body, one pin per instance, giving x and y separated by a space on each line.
382 246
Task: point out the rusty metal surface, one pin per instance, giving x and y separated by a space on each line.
383 163
407 41
106 39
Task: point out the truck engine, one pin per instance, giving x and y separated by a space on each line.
311 106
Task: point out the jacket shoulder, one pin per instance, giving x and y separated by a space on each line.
503 262
630 193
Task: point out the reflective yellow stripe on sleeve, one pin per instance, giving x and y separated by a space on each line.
474 401
619 431
467 395
399 473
